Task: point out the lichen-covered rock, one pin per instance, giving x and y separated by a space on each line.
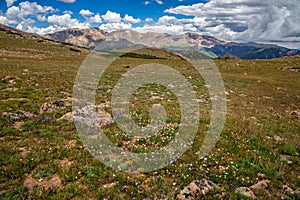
246 192
83 115
197 190
20 115
260 185
54 106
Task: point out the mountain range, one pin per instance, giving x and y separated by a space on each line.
97 39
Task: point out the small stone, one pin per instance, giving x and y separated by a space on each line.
295 114
260 185
287 189
297 193
6 78
261 175
65 94
109 185
197 189
222 195
286 159
222 168
12 82
18 125
277 138
245 191
27 114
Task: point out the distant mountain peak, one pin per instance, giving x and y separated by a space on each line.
82 37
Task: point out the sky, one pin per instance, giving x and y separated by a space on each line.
262 21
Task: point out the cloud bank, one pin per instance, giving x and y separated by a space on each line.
273 21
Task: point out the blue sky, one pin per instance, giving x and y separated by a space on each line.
268 21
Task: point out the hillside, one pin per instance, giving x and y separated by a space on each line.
21 46
42 155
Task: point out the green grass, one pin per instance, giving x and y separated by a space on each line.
261 96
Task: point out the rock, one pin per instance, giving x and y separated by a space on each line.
65 94
12 82
261 175
295 114
13 89
222 168
68 116
287 189
18 125
297 193
285 158
18 116
6 79
109 185
222 195
245 191
197 189
103 118
27 114
54 106
277 138
260 185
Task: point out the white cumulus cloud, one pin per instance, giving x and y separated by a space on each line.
148 20
65 21
95 19
112 17
68 12
27 9
167 20
131 19
4 20
86 13
10 2
115 26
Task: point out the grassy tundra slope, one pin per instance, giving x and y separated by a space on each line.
43 158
